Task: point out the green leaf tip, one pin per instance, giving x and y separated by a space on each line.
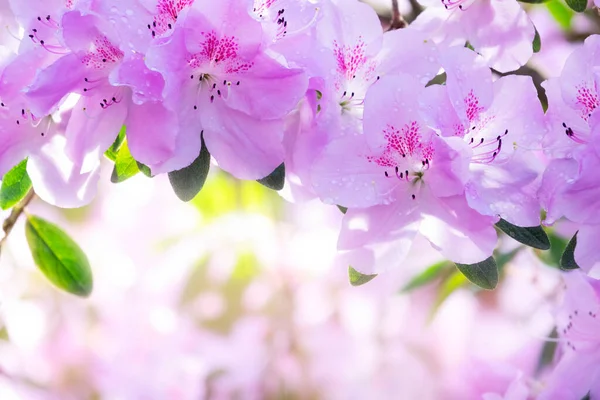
567 261
187 182
275 180
357 278
483 274
533 236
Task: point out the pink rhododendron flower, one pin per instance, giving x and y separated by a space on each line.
220 81
500 122
570 185
413 178
353 54
578 326
499 30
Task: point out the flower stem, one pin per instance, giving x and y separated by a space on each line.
16 212
398 21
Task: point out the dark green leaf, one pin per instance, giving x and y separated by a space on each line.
344 210
427 276
567 261
484 274
537 41
276 179
357 279
438 80
15 185
58 257
125 166
187 182
144 169
533 1
113 150
533 236
577 5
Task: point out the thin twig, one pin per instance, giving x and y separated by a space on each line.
9 223
398 21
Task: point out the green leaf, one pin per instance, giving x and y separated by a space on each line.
113 150
548 351
484 274
15 185
533 1
144 169
344 210
188 182
455 281
125 165
537 41
562 14
429 275
357 279
577 5
58 257
437 80
567 261
276 179
533 236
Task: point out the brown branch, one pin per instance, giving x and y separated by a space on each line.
9 223
398 21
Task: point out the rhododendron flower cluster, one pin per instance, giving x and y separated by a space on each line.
430 125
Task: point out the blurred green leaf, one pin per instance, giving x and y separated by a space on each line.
502 259
222 194
533 236
113 150
483 274
60 259
4 334
548 351
567 261
577 5
188 182
561 13
357 279
455 281
533 1
15 185
429 275
275 180
557 246
537 41
125 165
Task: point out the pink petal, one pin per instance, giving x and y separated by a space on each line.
344 175
378 238
461 234
587 253
93 128
269 90
52 84
501 31
57 180
243 146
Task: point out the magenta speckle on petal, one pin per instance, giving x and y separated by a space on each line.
103 53
219 51
472 106
587 99
167 13
403 143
